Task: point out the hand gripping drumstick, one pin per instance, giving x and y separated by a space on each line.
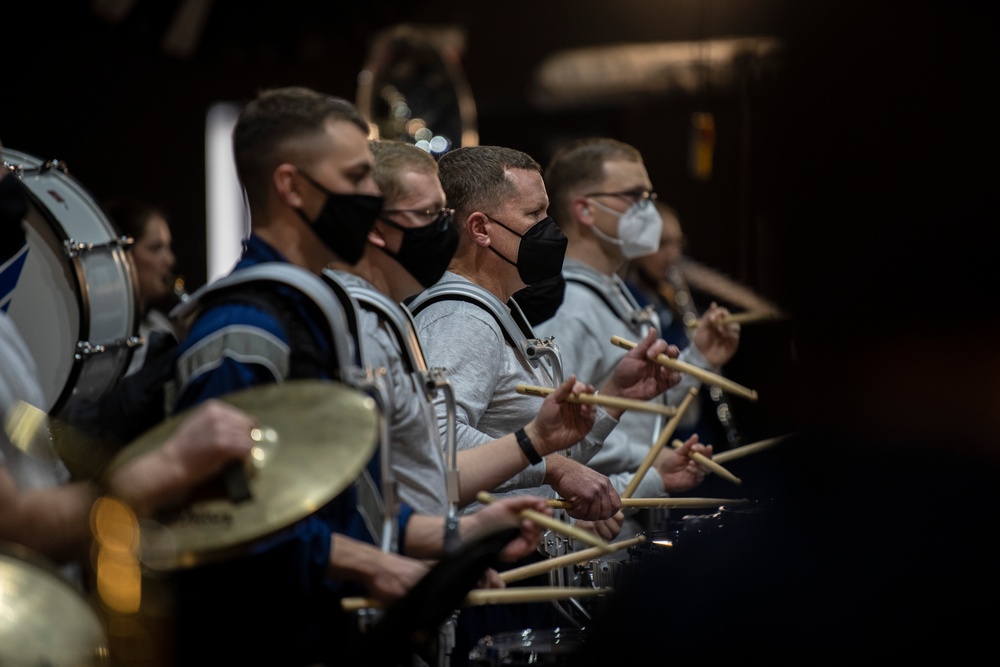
554 524
668 430
709 465
705 376
599 399
527 571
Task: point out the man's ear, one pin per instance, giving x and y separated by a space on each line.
375 237
583 212
475 225
286 185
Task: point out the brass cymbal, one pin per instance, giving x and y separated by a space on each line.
44 620
315 438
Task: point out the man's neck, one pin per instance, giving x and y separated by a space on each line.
298 244
383 273
592 252
481 270
363 269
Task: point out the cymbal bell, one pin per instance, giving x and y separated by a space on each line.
44 620
314 439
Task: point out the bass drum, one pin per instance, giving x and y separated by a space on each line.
71 288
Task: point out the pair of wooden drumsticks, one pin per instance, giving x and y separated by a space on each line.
599 546
612 401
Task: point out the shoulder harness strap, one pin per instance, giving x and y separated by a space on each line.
514 325
399 321
292 276
636 316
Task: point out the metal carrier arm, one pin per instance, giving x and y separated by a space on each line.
431 380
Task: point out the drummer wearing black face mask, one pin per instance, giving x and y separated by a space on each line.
304 161
412 241
409 249
468 324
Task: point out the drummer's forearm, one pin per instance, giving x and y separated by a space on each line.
489 465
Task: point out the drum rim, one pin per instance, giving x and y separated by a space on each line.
82 292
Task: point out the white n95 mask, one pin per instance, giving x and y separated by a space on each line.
639 228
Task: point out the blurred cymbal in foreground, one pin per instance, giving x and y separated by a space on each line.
314 439
44 620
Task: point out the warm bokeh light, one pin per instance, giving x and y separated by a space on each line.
116 539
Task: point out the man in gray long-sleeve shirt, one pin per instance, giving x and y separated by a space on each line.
603 199
507 241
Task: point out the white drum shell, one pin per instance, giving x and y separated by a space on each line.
60 301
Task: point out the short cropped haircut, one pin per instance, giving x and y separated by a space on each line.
474 177
269 129
580 164
392 158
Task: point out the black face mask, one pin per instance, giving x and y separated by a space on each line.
540 301
540 253
426 251
13 208
344 221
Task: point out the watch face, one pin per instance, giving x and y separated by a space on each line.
413 89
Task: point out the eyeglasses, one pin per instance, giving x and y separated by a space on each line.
439 217
631 196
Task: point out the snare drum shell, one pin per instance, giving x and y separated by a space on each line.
61 300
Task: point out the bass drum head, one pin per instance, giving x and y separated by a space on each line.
71 289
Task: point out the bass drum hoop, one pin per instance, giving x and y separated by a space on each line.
91 377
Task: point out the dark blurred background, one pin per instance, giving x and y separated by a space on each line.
852 172
110 88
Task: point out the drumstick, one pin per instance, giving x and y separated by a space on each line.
709 464
482 596
662 502
607 401
745 318
530 570
705 376
554 524
752 448
661 441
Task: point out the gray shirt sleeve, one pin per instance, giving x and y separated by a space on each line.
467 342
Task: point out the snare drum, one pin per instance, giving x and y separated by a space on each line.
528 647
71 289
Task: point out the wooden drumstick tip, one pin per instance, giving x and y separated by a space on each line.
705 376
554 524
708 464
